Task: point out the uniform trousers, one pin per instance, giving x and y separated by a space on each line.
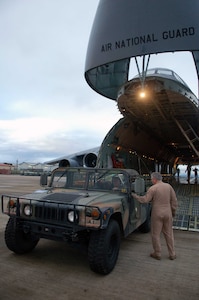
162 223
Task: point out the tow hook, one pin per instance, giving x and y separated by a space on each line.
68 237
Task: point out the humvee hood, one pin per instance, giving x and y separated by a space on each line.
74 197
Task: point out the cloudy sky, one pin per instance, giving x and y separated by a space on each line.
47 109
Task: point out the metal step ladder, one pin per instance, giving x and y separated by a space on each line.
189 133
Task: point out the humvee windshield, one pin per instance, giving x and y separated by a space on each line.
86 179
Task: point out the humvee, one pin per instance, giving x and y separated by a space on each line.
79 205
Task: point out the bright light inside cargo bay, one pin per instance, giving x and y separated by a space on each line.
142 94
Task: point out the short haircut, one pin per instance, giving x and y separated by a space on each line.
156 175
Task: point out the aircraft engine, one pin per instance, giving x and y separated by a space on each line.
68 163
90 160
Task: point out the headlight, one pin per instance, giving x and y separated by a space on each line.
72 216
27 210
93 212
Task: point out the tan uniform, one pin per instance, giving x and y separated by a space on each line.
164 204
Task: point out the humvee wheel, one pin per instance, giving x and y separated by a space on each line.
104 248
18 241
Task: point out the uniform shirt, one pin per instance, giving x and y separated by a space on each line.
162 197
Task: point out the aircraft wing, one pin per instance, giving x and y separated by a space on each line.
86 158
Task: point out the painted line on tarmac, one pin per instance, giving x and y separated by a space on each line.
5 186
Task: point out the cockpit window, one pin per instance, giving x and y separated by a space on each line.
166 72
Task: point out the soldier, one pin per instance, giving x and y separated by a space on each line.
188 170
164 204
196 174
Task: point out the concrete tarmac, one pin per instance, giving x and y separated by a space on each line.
55 270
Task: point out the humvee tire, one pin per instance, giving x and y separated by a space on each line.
16 240
104 248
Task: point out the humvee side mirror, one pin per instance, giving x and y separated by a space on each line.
139 186
43 179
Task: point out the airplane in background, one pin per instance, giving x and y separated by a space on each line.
86 158
159 129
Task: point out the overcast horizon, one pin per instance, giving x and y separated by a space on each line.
47 108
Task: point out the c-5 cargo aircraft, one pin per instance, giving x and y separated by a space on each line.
160 124
159 129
